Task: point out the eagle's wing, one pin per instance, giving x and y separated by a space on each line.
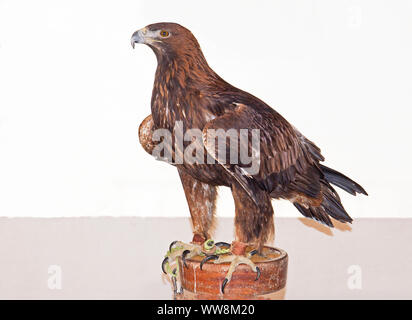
286 158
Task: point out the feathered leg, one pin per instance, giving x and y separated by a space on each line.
253 224
201 198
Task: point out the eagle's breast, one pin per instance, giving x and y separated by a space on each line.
176 100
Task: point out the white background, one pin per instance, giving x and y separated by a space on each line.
73 92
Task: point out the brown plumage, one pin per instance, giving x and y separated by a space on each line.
186 89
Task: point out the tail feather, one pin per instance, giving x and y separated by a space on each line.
330 207
316 213
342 181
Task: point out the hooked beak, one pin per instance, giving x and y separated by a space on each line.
138 37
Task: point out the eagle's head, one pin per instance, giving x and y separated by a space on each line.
166 39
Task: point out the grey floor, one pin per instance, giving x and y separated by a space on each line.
119 258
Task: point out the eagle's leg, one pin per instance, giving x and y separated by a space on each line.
201 199
253 224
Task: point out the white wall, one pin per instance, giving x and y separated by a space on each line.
72 93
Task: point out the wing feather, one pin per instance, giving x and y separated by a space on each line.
286 157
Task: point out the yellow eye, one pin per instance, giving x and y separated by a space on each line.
164 33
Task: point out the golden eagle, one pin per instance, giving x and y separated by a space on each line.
188 91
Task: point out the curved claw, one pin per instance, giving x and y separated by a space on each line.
258 274
184 254
222 244
224 283
172 244
211 257
165 260
253 252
